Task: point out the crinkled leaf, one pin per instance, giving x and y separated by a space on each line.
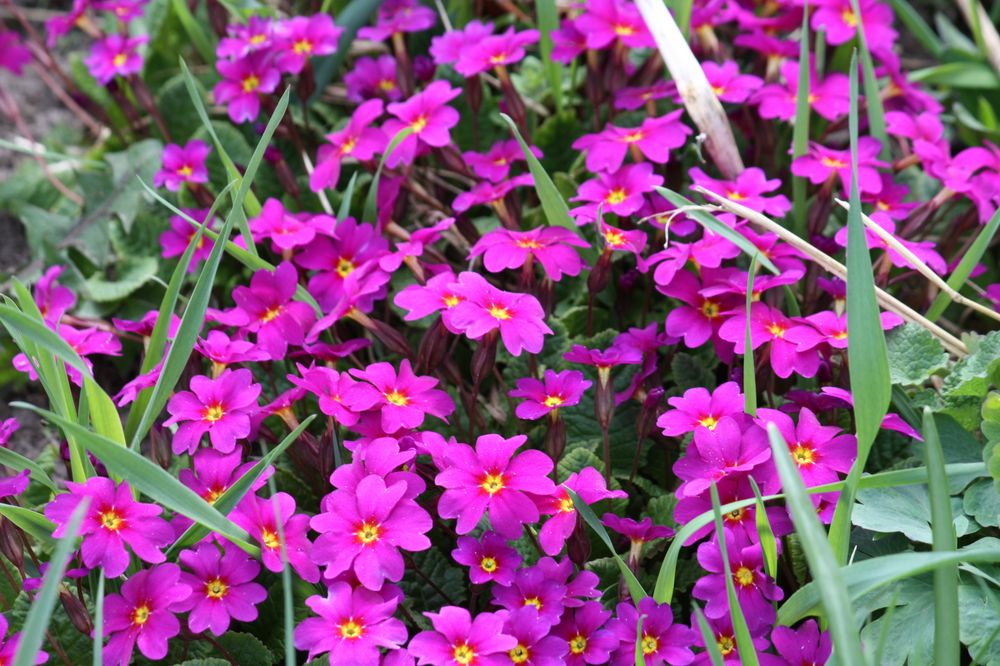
914 354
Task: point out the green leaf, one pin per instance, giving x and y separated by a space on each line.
915 23
356 14
140 159
246 649
982 501
370 214
965 267
345 201
708 637
979 615
744 641
749 372
14 460
202 42
800 130
873 97
99 621
914 355
827 575
965 74
548 22
765 534
906 510
130 274
33 631
30 521
970 376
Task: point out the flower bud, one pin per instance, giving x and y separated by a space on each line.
76 611
555 438
10 543
600 274
484 357
578 545
433 346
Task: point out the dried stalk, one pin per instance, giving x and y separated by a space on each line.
920 266
700 100
831 265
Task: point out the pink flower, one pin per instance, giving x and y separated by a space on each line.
302 37
243 81
721 630
567 42
13 55
727 82
222 587
395 16
221 407
115 55
551 246
352 626
589 484
769 325
740 523
447 48
547 396
700 316
222 350
631 98
495 163
489 559
85 342
532 587
661 642
587 639
337 257
838 20
427 115
372 77
183 165
460 639
113 520
365 528
820 163
623 241
53 299
829 97
358 140
698 408
654 140
491 478
489 193
755 590
269 310
436 296
329 386
7 429
606 21
641 532
491 51
820 452
257 34
535 646
144 613
890 421
923 250
804 645
176 239
484 308
8 647
620 193
132 389
734 446
748 189
402 399
212 475
261 519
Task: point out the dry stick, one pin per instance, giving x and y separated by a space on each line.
831 265
991 40
321 194
920 266
700 99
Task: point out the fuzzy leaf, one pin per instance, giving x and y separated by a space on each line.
914 355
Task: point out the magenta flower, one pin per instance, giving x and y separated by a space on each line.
492 51
484 308
535 646
727 82
587 639
402 398
144 613
589 484
606 21
53 299
459 639
302 37
447 48
654 140
337 257
567 42
222 588
890 421
285 230
352 626
115 55
397 16
495 163
924 250
552 246
623 241
829 97
489 559
697 408
661 642
532 587
620 193
132 389
755 590
183 165
222 350
221 407
821 163
357 140
631 98
175 240
330 387
489 193
699 318
768 325
819 451
243 81
213 473
85 342
13 57
429 118
725 639
261 517
604 360
114 519
734 446
548 395
638 533
838 19
371 78
270 311
739 523
7 429
491 478
805 645
437 295
365 529
748 189
8 647
257 34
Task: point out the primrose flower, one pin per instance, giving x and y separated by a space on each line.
535 646
769 325
178 236
371 78
620 193
243 81
699 408
838 19
755 590
829 97
460 639
13 55
583 630
489 559
805 645
213 473
739 523
269 309
638 533
725 639
357 140
621 240
222 350
285 230
489 192
257 34
821 163
819 451
113 519
604 360
728 83
7 429
654 140
397 16
183 165
144 613
447 48
749 189
495 163
551 246
714 454
606 21
923 250
437 295
260 517
699 317
567 42
302 37
222 587
532 587
14 485
115 55
336 258
484 308
429 118
221 407
365 528
329 386
402 398
661 642
85 342
53 299
632 98
8 647
546 396
589 484
491 51
132 389
352 626
490 478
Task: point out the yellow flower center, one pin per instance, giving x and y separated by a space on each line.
368 533
215 588
345 267
553 400
302 46
708 422
719 90
533 601
743 577
394 397
269 539
726 644
488 564
840 335
499 312
849 18
348 146
566 504
649 644
419 124
615 196
803 455
710 309
519 655
463 654
632 137
271 314
387 85
498 59
832 163
111 521
735 516
119 60
614 237
214 413
257 40
351 630
777 330
577 644
450 300
735 196
527 244
250 83
624 30
214 494
492 483
140 615
185 171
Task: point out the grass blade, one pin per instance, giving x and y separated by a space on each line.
37 622
966 266
946 630
749 372
768 543
744 641
800 131
16 461
634 587
99 620
194 32
866 349
345 202
370 214
873 100
42 336
918 27
822 561
708 637
30 521
548 22
640 656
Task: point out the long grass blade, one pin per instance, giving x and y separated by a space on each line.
194 32
966 266
822 562
744 641
345 201
30 521
548 22
370 214
873 98
800 131
919 28
765 534
40 613
99 620
946 618
749 372
708 637
640 654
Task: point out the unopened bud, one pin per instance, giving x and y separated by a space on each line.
484 357
286 178
10 543
648 413
578 545
555 438
433 346
76 611
604 404
600 274
390 337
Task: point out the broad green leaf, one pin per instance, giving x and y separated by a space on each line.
914 354
906 510
970 376
744 640
130 274
246 649
982 501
